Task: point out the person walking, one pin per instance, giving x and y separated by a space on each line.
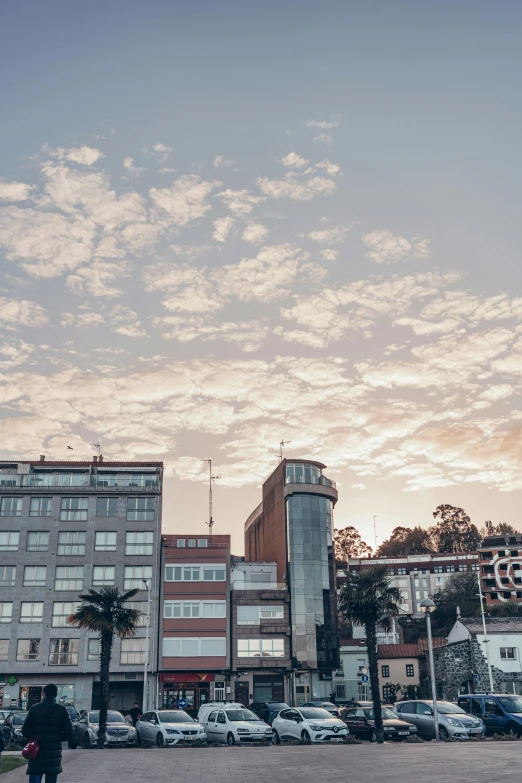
135 713
50 722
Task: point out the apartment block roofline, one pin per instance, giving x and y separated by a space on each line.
57 463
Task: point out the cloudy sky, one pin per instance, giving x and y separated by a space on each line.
224 224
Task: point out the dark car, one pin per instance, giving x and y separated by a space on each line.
501 713
73 714
361 723
12 728
324 705
267 710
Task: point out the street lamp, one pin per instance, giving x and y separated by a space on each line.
148 586
427 606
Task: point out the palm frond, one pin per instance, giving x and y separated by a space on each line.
105 610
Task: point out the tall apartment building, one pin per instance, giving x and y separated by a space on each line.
293 527
260 630
501 568
65 527
194 626
416 576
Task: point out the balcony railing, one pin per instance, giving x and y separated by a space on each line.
77 481
325 482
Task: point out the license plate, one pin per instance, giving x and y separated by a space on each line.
115 739
403 733
475 731
336 739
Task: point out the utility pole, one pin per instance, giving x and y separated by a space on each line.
375 532
281 445
211 478
486 637
145 705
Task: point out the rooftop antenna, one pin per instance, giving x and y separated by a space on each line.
96 446
375 532
211 478
281 445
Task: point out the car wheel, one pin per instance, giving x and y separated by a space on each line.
512 729
305 737
73 744
230 739
86 741
275 738
159 740
443 733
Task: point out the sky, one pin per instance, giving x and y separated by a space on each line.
227 224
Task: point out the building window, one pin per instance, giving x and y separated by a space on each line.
385 671
388 692
134 576
401 571
261 648
194 647
463 567
132 651
139 543
140 606
106 507
41 507
191 542
508 653
179 609
74 509
486 555
68 578
437 570
31 612
7 576
34 576
410 672
6 611
93 650
195 573
28 649
4 649
9 541
252 615
181 543
11 507
38 541
103 575
140 509
61 611
450 569
105 541
64 652
475 567
71 542
340 691
202 543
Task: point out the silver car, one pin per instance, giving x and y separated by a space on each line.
234 725
453 721
118 731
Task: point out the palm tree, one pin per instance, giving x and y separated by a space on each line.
368 598
103 611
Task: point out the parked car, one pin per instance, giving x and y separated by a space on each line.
118 733
209 706
267 710
361 722
324 705
233 725
168 727
308 723
12 728
453 721
73 714
501 713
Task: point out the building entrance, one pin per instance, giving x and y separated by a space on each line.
269 687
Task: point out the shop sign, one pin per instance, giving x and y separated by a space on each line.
189 677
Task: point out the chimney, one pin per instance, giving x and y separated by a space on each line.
42 457
95 458
100 458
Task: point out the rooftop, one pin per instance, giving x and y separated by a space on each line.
408 650
493 624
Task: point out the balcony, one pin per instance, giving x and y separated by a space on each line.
322 480
46 480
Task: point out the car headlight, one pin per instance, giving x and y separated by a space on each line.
453 722
201 731
132 731
315 728
172 731
243 731
412 728
389 728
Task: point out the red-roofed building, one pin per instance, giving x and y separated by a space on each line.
403 665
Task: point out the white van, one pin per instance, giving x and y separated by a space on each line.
208 706
233 724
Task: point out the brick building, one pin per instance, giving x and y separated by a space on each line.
501 568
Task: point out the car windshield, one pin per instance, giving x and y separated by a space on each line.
447 708
112 717
236 715
386 714
276 705
314 713
327 705
510 703
18 720
175 717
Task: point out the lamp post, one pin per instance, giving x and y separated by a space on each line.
148 586
427 606
486 637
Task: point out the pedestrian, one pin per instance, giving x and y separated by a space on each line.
135 713
50 722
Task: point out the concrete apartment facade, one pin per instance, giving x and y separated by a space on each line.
293 527
194 635
501 569
66 527
260 630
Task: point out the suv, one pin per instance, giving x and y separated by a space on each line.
267 710
501 713
453 721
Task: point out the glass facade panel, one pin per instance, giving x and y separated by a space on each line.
311 571
41 507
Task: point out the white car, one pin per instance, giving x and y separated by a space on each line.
308 724
234 725
168 727
209 706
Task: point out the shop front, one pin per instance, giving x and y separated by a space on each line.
250 687
194 688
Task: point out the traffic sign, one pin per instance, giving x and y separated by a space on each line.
475 678
365 678
364 670
182 703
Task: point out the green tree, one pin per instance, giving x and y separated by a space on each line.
368 599
454 531
104 612
502 529
407 541
348 543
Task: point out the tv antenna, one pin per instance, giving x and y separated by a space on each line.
375 532
96 446
211 478
281 445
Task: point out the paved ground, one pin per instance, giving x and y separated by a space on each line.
428 763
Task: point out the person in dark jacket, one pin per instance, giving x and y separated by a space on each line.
50 722
135 713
